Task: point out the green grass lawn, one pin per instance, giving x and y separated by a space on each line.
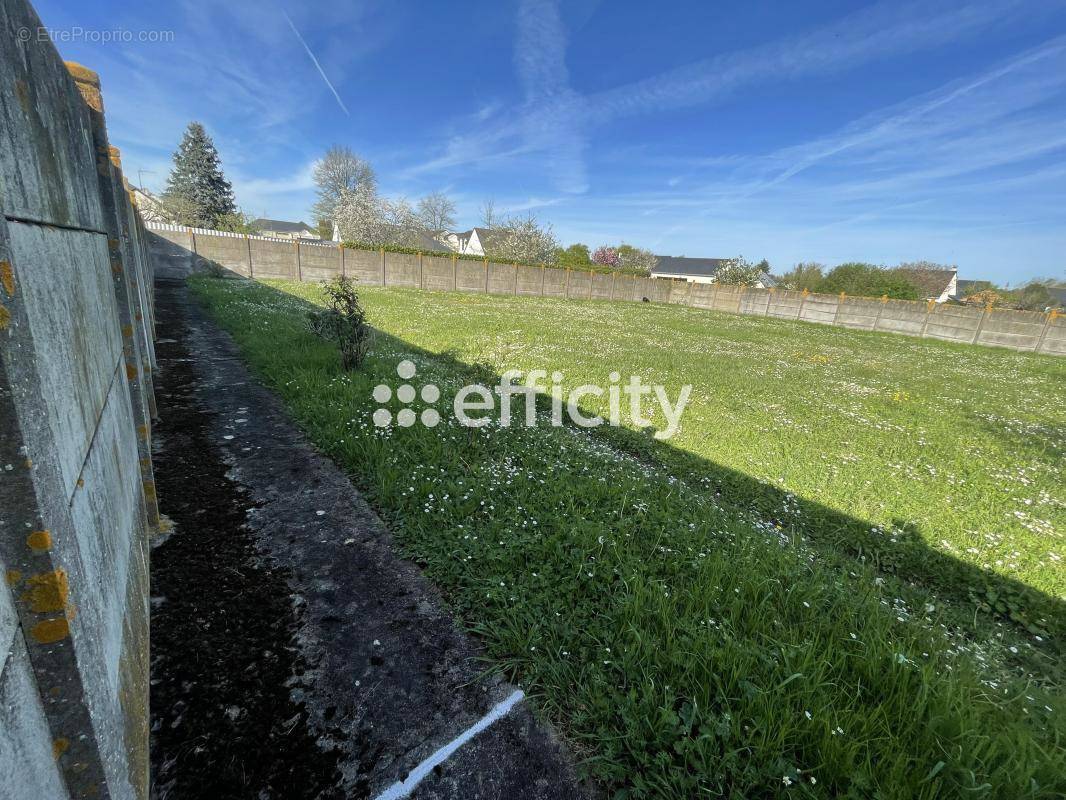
842 577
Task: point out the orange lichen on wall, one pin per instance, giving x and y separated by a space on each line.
39 541
5 318
47 592
7 278
59 747
50 631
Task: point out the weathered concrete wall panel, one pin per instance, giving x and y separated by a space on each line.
229 253
75 358
1054 336
402 269
820 308
46 157
365 266
501 278
1018 329
438 273
172 253
26 761
858 312
954 323
579 285
602 284
271 259
755 302
902 316
319 262
65 307
555 283
529 280
471 276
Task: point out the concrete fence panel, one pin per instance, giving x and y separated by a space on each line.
555 282
319 263
678 292
530 280
172 252
579 285
727 298
785 304
702 295
859 313
1018 329
953 323
365 266
402 269
902 316
471 276
1053 337
75 392
656 289
755 302
501 278
602 284
438 273
225 252
272 259
820 308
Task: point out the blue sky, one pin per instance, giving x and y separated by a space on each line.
817 131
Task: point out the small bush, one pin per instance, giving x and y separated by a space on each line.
343 322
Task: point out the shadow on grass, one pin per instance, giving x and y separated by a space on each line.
978 594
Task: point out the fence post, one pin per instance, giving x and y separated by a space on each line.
769 298
566 286
299 265
248 244
688 293
516 280
486 276
590 285
340 258
930 308
455 273
840 302
803 302
1047 326
421 273
880 311
383 278
981 324
543 272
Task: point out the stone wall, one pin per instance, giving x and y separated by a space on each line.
77 495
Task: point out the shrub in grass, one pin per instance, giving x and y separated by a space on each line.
343 322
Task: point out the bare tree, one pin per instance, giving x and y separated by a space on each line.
339 171
436 212
488 214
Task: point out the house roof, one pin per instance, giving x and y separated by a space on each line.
966 286
930 282
281 226
680 265
423 241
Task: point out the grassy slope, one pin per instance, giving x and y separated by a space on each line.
682 636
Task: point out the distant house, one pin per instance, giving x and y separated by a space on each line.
938 285
279 229
472 242
697 270
693 270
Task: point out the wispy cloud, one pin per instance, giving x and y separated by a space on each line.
554 122
318 66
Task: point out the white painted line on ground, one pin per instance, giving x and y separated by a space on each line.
404 788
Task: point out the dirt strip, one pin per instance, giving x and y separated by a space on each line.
294 654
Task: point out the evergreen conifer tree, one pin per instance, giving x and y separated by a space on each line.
197 192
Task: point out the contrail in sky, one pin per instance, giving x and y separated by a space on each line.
315 61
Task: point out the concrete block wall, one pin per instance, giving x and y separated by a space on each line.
172 247
76 408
